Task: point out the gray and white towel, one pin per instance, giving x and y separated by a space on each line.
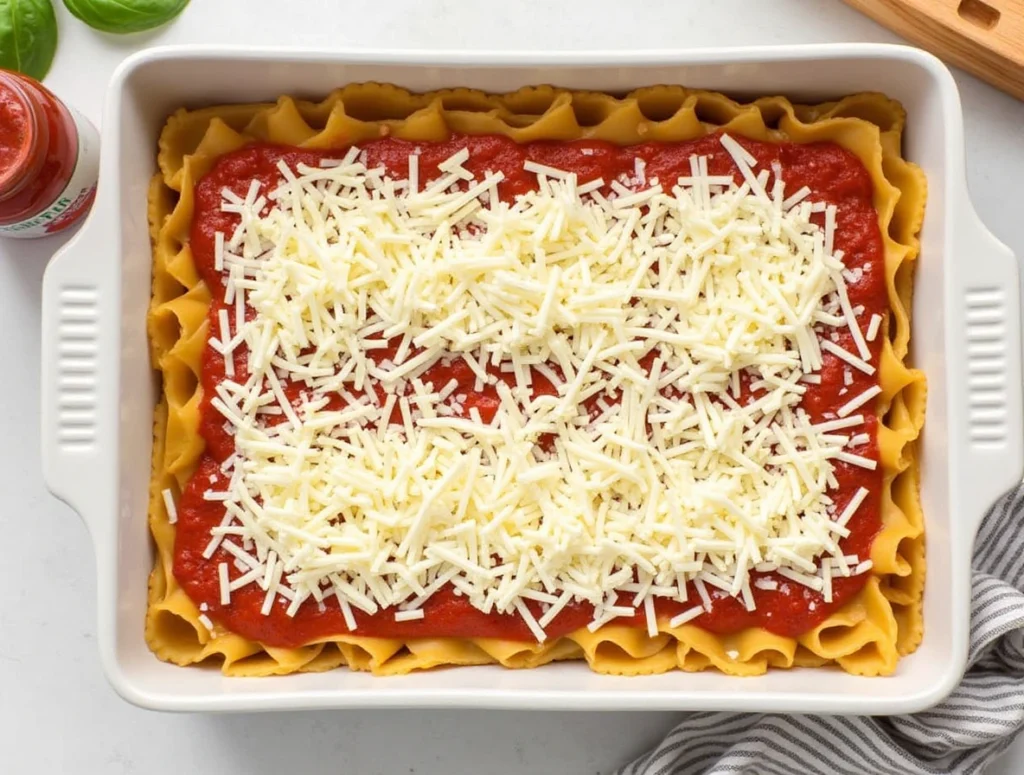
959 736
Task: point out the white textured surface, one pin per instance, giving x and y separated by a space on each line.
56 712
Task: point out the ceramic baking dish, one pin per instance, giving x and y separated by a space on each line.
99 391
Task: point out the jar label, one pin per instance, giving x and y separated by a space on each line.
72 204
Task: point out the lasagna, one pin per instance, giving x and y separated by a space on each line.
454 379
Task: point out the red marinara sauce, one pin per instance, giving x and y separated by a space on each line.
833 175
49 160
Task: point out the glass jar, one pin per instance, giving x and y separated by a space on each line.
49 160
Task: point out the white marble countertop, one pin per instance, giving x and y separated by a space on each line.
57 713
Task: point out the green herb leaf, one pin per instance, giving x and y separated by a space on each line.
123 16
28 36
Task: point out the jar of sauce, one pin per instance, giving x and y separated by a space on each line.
49 160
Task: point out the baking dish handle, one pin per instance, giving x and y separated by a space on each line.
987 393
79 375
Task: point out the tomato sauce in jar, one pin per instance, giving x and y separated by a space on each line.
49 160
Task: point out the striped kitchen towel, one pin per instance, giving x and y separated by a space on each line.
961 735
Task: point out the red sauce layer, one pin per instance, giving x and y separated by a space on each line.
833 175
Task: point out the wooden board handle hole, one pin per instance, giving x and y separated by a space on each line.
978 13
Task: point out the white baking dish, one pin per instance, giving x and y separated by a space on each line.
99 392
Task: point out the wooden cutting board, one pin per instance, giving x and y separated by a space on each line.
984 37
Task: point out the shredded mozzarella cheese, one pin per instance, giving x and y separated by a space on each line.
652 301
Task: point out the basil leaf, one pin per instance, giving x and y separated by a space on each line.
123 16
28 36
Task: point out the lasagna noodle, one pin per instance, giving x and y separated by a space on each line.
865 636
